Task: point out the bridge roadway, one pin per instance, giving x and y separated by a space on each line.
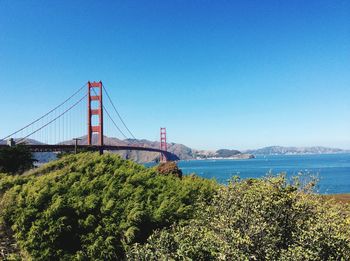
52 148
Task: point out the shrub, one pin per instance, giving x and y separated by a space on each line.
88 206
9 181
266 219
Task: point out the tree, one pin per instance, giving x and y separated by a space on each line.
15 159
88 206
266 219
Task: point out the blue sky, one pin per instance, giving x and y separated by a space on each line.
217 74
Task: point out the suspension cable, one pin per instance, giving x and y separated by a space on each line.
109 116
71 107
70 97
115 109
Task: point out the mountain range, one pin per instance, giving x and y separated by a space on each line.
180 150
279 150
187 153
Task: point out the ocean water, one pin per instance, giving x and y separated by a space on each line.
332 170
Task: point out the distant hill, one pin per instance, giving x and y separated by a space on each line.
227 153
221 154
180 150
279 150
27 141
184 152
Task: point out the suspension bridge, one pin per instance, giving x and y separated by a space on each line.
82 118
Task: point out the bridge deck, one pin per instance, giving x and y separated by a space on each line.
52 148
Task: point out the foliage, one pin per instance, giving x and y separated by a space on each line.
15 159
266 219
169 168
88 206
92 207
9 181
62 154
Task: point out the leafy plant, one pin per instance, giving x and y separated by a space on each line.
266 219
88 206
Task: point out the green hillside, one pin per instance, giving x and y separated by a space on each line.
93 207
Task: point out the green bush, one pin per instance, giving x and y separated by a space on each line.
92 207
8 181
267 219
15 159
88 206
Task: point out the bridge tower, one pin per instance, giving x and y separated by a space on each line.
163 145
94 96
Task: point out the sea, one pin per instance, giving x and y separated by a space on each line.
331 170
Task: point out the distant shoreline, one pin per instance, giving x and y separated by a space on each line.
237 157
265 155
302 154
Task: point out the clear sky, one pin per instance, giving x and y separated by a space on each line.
218 74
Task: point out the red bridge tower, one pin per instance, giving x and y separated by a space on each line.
163 145
93 110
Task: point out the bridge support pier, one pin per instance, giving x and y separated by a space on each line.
11 142
163 144
76 145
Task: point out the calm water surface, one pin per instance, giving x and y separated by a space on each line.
333 170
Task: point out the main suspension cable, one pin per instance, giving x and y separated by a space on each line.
67 110
115 109
109 116
58 106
